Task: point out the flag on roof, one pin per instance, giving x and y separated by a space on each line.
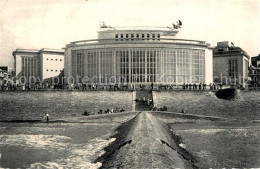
180 23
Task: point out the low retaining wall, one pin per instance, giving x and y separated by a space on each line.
170 115
101 118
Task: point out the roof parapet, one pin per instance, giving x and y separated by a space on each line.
136 40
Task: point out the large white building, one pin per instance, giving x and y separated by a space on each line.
138 55
37 65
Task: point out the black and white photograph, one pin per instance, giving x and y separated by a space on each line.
142 84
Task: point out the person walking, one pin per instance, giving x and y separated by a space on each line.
47 119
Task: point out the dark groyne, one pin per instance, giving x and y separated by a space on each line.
145 142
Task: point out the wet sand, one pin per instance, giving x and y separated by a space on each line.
216 142
207 104
32 105
33 145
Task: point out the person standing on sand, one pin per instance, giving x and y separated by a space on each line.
47 117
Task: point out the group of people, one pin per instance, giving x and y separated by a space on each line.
201 86
164 108
214 86
95 86
8 86
107 111
194 86
117 86
117 110
145 101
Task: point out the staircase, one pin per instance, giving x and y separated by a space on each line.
141 95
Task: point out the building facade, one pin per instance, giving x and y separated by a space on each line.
6 78
230 64
37 66
254 72
138 55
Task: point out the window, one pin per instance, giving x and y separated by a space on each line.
47 70
137 36
153 36
56 59
148 36
47 59
51 70
132 37
60 59
158 36
142 36
55 70
232 65
122 36
51 59
126 36
116 37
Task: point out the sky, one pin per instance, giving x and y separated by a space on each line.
37 24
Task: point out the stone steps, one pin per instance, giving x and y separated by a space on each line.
141 94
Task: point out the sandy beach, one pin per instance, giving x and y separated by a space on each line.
201 138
